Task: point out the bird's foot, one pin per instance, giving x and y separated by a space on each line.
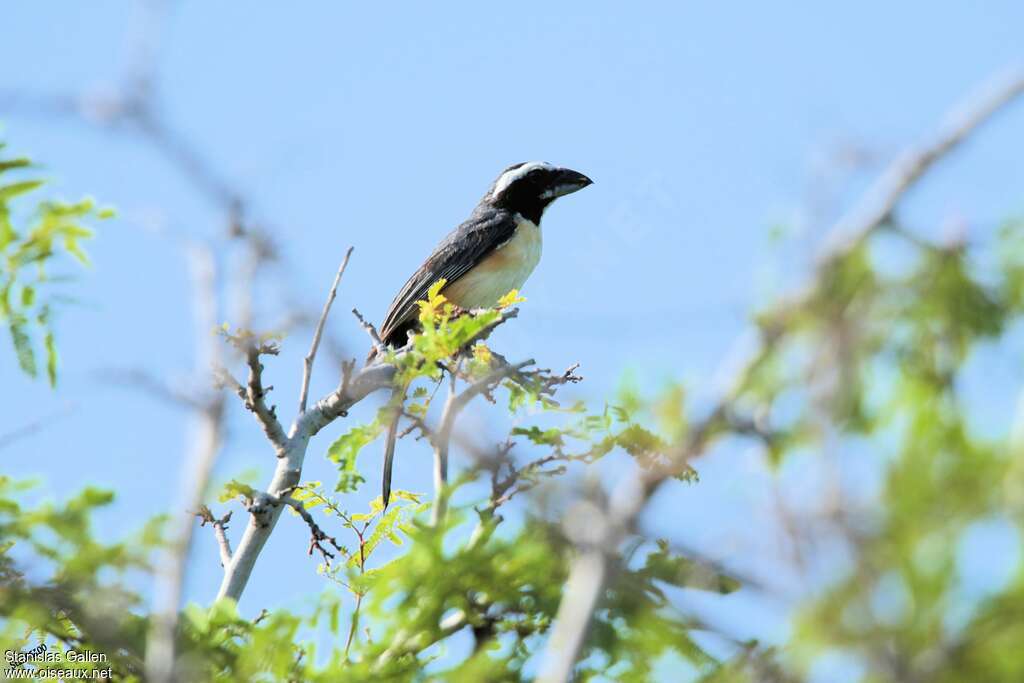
458 311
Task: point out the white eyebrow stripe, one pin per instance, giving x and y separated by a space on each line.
509 177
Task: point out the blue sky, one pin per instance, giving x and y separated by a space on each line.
706 127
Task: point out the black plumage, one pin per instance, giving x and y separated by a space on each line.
462 249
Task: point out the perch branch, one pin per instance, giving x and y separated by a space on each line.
355 385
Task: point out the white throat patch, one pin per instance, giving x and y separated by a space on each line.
509 177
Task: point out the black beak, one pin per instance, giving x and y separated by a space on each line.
567 181
574 179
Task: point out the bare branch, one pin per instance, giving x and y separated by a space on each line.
307 363
26 430
219 527
442 440
255 395
317 535
144 381
378 345
878 203
223 378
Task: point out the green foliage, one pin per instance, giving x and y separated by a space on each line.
32 243
235 489
444 331
60 586
621 427
877 357
244 339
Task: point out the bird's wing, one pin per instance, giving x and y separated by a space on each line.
462 249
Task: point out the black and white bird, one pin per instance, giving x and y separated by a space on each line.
492 252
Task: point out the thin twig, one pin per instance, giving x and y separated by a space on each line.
36 425
354 625
148 383
316 534
219 528
378 344
307 362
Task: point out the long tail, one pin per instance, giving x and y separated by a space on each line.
397 400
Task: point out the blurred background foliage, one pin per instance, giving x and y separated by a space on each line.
37 243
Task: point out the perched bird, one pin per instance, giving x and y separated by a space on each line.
491 253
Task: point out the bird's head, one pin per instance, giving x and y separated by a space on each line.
528 188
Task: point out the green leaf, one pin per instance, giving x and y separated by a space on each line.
344 452
376 507
14 189
398 519
51 358
23 348
236 489
541 437
73 248
9 164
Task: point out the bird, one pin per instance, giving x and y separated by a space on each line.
491 253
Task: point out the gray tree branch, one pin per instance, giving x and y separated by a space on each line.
219 526
454 405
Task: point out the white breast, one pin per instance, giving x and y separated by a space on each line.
524 249
505 269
